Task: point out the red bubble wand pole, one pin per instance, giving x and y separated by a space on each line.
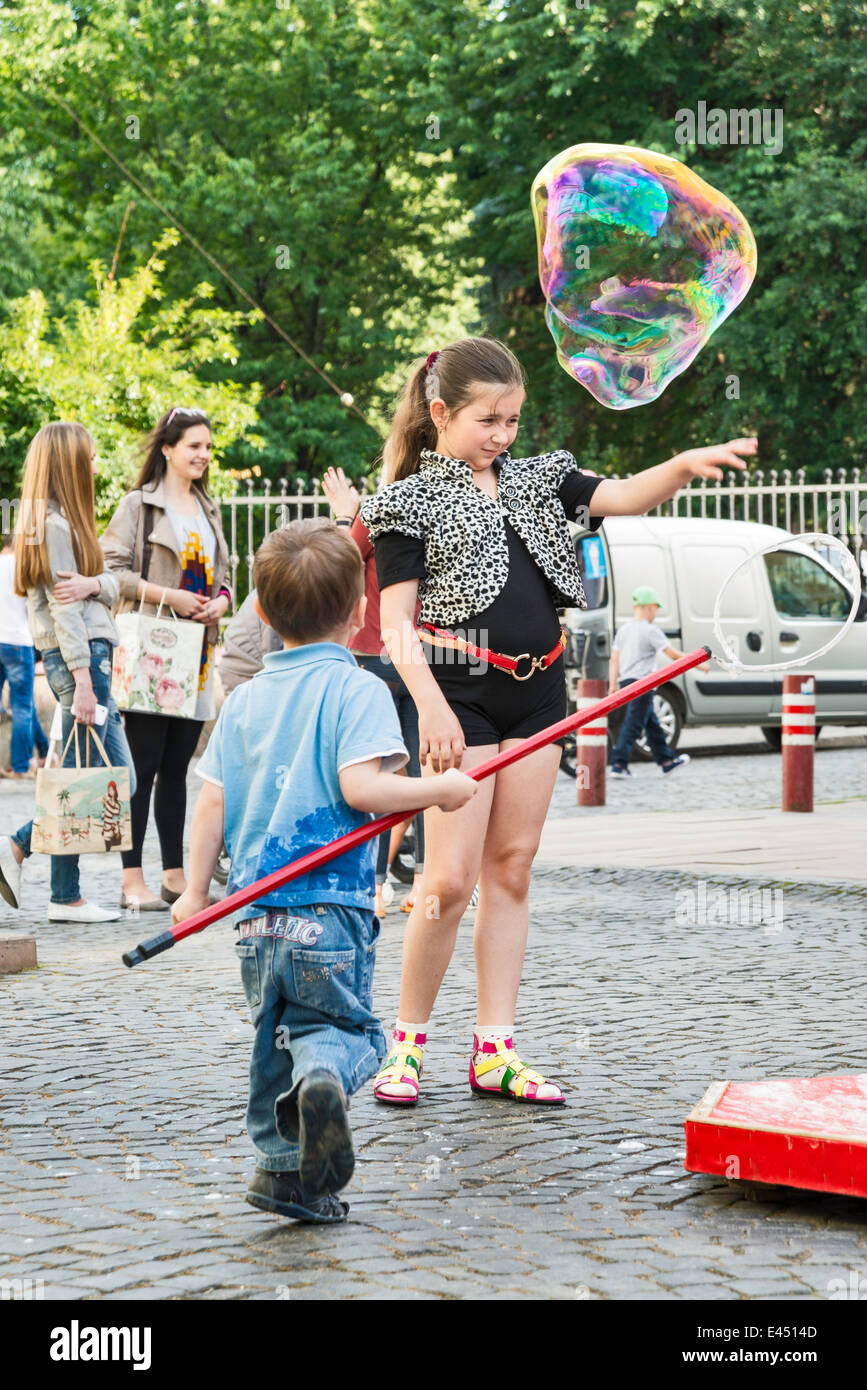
146 949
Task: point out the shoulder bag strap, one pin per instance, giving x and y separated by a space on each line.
147 527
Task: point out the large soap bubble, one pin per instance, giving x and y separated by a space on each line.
639 260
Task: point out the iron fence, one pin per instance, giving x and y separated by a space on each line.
778 498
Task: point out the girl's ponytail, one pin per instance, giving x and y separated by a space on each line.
451 375
412 428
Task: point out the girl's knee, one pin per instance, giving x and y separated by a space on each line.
446 893
510 869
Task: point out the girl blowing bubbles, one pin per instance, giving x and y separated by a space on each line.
481 538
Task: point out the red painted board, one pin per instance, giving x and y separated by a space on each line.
808 1132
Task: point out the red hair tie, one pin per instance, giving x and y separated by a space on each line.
430 361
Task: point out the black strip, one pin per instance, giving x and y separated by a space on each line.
774 686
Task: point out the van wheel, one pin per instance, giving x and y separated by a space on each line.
569 755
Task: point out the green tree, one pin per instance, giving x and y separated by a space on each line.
114 368
292 142
528 79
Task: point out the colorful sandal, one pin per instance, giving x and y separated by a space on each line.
401 1068
499 1055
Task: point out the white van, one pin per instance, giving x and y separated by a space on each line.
788 602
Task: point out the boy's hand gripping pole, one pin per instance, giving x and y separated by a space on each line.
267 885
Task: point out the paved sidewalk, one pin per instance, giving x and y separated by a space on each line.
123 1157
823 846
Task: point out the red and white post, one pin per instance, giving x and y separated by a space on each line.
592 746
799 741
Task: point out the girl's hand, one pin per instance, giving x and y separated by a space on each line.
709 462
186 603
343 498
441 738
72 587
84 701
187 905
213 610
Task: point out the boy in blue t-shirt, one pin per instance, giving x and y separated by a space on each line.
300 755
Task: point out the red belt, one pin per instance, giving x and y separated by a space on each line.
498 659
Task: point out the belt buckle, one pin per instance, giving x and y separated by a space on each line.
533 660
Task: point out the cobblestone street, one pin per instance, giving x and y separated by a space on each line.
123 1156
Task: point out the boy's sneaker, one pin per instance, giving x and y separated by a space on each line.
680 761
327 1160
285 1195
10 874
618 771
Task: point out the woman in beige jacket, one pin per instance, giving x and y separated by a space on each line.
165 545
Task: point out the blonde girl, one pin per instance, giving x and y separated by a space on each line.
60 569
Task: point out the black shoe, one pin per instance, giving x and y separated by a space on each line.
284 1194
327 1160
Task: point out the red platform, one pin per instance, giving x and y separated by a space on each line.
805 1132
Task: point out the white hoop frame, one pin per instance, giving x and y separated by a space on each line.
733 663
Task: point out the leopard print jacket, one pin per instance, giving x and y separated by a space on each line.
465 547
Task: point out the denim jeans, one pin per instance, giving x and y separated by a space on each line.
65 887
408 716
640 716
17 665
309 985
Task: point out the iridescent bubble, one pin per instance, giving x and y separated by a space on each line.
639 261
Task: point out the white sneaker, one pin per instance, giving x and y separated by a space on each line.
10 873
680 761
85 912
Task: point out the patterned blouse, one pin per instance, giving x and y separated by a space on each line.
466 551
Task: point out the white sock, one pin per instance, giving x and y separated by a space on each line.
409 1027
492 1031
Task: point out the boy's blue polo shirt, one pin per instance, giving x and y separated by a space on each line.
276 750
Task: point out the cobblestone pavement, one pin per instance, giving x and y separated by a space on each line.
123 1157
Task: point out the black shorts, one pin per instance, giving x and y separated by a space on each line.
492 706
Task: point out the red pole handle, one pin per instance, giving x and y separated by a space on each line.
314 860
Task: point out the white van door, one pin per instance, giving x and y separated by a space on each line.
701 569
810 605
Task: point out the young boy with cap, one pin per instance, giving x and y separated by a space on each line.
633 655
300 755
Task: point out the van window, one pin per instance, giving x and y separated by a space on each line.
590 553
803 589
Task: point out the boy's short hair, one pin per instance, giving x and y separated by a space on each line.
309 576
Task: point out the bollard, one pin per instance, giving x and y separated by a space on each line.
798 741
592 746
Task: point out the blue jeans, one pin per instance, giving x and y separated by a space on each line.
640 717
65 887
309 984
17 665
408 716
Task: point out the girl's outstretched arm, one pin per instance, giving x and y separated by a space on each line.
634 496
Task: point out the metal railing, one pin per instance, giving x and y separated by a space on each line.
836 505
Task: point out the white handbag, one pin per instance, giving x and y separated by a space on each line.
157 663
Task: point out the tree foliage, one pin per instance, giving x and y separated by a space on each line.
362 169
525 80
104 363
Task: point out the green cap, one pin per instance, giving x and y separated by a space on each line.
645 594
